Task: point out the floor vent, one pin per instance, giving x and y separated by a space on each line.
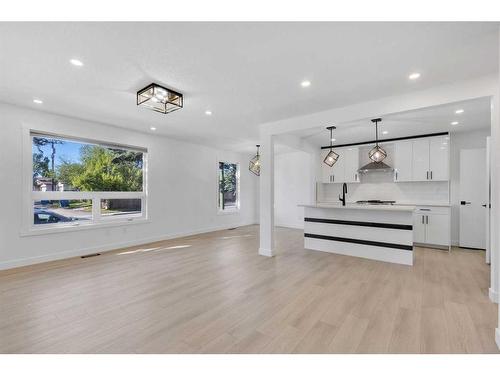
90 255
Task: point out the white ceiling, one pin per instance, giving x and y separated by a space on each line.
437 119
245 73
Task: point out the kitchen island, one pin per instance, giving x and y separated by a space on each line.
379 232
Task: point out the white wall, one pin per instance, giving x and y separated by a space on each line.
182 191
292 186
460 141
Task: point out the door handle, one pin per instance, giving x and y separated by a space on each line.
431 175
423 219
396 175
426 219
427 174
484 205
355 177
463 203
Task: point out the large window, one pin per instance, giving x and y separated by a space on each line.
229 186
76 182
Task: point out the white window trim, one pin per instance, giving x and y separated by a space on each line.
237 209
28 227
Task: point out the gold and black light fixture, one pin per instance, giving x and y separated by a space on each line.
332 156
254 165
159 98
377 153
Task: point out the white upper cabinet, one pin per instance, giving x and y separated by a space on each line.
351 165
403 161
425 159
344 170
421 159
439 158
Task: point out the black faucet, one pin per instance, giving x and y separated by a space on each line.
344 192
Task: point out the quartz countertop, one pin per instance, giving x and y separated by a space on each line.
357 206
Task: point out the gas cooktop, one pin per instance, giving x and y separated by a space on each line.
375 201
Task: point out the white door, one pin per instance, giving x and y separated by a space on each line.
472 197
439 158
421 159
419 228
351 163
403 159
437 229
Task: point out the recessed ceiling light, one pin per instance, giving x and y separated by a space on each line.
459 111
152 128
208 113
385 132
414 76
305 83
76 62
37 101
454 123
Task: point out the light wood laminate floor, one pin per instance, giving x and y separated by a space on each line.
212 293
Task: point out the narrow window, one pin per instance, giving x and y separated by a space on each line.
229 186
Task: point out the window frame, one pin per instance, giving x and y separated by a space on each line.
97 220
233 210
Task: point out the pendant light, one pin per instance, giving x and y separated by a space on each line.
254 165
332 156
377 154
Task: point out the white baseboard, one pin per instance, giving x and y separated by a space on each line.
497 337
290 225
110 247
493 295
266 252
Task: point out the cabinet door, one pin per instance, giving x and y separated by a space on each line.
419 228
421 159
326 171
351 164
335 173
438 229
403 161
439 158
338 169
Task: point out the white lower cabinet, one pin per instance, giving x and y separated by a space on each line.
431 226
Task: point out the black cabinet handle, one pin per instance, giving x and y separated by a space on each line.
483 205
463 203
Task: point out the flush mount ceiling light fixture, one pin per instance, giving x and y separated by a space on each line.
377 154
332 157
254 165
159 98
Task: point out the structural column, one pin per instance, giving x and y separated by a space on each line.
495 249
495 199
266 246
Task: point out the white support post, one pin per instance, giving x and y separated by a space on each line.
495 199
266 246
495 250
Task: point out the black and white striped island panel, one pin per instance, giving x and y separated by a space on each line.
379 232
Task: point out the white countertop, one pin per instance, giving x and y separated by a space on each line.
356 206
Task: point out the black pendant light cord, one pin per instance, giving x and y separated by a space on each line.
376 121
331 137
